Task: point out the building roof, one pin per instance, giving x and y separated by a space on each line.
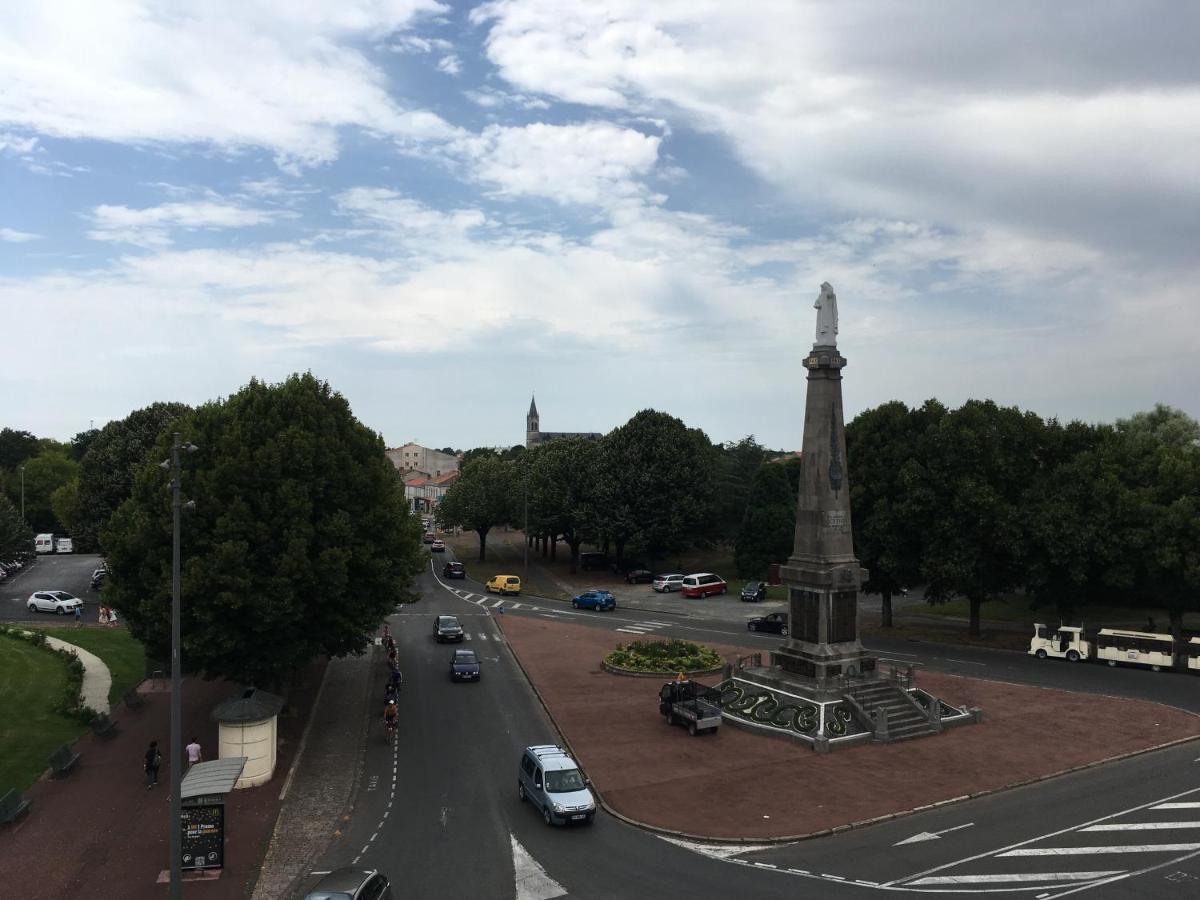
215 777
251 705
419 481
532 406
448 478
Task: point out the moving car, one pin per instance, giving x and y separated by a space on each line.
664 584
1066 643
53 601
428 538
454 570
98 576
702 584
549 779
447 628
437 547
754 592
595 599
639 576
776 623
351 884
504 584
464 666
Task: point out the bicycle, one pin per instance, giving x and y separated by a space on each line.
389 729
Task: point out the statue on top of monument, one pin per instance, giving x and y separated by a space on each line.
826 307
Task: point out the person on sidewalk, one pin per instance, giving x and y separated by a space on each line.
79 616
153 761
194 754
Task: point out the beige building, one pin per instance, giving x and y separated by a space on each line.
415 458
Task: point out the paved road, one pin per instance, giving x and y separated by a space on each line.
70 572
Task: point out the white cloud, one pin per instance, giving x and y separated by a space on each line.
13 236
233 73
492 98
152 226
412 43
409 225
450 64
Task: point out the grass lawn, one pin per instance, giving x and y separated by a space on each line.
505 556
124 656
1016 610
31 679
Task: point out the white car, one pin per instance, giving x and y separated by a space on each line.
53 601
667 583
438 546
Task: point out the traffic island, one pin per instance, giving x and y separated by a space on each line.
648 772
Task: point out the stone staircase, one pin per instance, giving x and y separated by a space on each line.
904 718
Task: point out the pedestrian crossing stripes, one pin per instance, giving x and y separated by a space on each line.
642 627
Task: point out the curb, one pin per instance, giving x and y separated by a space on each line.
634 673
837 829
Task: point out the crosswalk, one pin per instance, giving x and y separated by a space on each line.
1096 852
642 627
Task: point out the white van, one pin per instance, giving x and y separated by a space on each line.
64 545
44 543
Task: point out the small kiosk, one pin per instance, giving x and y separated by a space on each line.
247 728
202 813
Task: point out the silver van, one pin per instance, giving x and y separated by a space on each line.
549 779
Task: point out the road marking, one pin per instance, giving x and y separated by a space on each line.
718 851
632 631
515 606
1142 826
532 882
1177 806
482 636
931 835
1041 877
497 603
466 596
965 662
1077 851
467 636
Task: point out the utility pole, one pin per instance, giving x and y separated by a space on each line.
22 493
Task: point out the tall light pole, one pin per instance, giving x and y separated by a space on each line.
22 493
176 751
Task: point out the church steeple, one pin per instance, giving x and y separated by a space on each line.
531 424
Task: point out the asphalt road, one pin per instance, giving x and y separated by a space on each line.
438 811
70 572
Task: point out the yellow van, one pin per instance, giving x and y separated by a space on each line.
504 584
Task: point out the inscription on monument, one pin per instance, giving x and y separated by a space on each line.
843 617
809 614
836 521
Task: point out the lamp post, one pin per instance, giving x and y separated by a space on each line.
22 493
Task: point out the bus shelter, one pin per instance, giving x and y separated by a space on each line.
202 816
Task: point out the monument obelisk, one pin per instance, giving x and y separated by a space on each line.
822 575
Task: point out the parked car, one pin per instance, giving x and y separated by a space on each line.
64 545
664 584
639 576
464 666
437 547
53 601
447 628
428 538
692 704
775 622
703 584
454 570
595 599
504 584
351 884
98 576
590 561
754 592
550 780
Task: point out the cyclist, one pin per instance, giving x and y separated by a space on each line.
396 677
389 718
389 692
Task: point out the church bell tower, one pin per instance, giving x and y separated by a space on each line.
531 425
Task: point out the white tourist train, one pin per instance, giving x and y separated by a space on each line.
1154 650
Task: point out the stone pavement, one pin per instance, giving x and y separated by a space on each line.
658 775
97 680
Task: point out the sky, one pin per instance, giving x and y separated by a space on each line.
442 208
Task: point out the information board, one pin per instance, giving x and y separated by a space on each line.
203 836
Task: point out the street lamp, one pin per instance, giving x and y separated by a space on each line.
176 745
22 493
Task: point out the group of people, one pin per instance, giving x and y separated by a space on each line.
392 688
153 759
108 616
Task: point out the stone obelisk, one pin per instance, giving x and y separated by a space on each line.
822 575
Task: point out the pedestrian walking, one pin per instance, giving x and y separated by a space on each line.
194 753
153 761
103 615
112 617
387 632
79 616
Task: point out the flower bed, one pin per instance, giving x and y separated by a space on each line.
663 657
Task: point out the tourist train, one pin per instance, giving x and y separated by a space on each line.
1152 649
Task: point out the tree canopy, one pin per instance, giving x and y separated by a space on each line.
768 527
480 499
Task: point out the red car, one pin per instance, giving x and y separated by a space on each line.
703 584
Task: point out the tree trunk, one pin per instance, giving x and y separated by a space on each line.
885 608
482 543
554 547
976 605
574 545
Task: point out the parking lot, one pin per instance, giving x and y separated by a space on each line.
70 572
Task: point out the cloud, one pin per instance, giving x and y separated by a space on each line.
17 237
231 73
410 226
450 64
152 226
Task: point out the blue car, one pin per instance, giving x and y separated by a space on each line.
601 600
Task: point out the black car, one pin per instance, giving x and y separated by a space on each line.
447 628
351 884
464 666
754 591
454 570
775 622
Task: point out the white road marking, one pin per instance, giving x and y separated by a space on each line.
497 603
1142 826
965 662
532 882
466 596
1040 877
466 636
718 851
1177 806
632 631
931 835
482 636
1121 848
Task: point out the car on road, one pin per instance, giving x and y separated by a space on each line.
351 884
64 545
464 666
428 538
447 628
53 601
504 584
664 584
549 779
639 576
437 547
595 599
754 592
454 570
702 584
776 623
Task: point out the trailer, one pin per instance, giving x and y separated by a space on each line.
684 702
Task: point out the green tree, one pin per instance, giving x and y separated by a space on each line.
16 538
64 502
563 496
768 527
82 442
299 544
114 454
44 474
16 447
737 465
480 499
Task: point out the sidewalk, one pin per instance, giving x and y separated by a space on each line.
648 772
97 680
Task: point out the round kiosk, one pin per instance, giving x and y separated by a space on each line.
247 728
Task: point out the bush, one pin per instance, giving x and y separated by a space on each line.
666 656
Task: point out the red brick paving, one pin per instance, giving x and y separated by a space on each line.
659 775
100 833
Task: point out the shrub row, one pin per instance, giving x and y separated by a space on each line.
665 656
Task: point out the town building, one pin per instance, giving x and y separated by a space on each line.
422 460
534 436
424 493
